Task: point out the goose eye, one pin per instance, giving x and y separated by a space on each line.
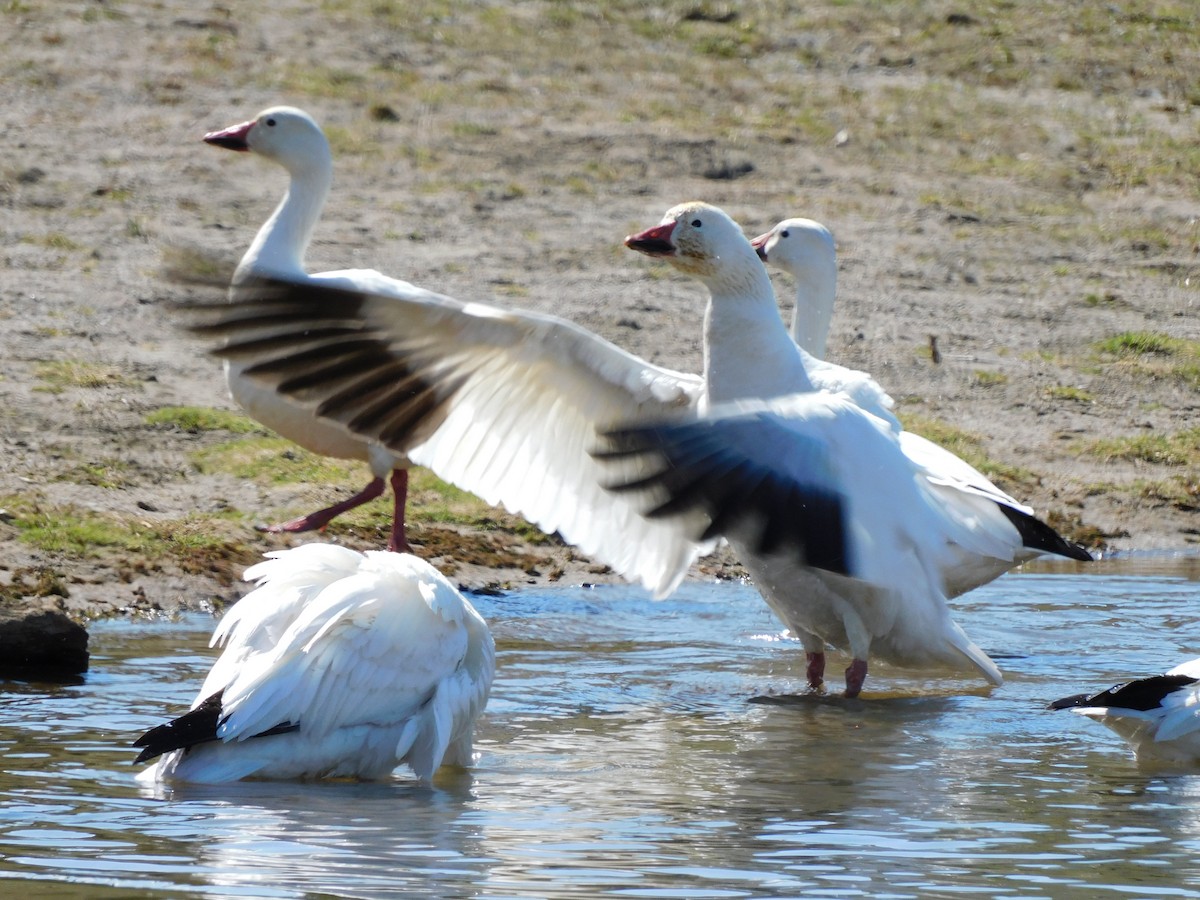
696 223
270 123
783 233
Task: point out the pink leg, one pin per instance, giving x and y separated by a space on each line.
323 517
398 543
816 670
856 674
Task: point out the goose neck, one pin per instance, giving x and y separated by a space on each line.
281 243
748 352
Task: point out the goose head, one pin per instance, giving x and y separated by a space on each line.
802 248
701 241
284 134
805 250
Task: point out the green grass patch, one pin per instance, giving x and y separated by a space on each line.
58 375
269 459
1152 355
75 530
1181 448
990 379
1069 392
199 544
1182 491
198 419
1140 343
55 240
108 473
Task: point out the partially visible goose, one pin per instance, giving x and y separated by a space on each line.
1158 716
291 138
805 250
339 664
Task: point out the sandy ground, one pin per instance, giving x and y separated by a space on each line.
510 174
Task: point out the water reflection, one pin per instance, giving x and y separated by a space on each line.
621 754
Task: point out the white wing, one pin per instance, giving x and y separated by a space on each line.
863 390
380 661
503 404
367 649
288 580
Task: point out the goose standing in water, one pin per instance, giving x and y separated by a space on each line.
1159 716
339 664
291 138
805 250
842 536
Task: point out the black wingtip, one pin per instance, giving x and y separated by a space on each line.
1037 535
1142 695
194 727
1070 702
742 498
198 726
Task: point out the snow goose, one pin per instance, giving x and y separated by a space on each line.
1158 716
291 138
842 536
507 404
805 250
339 664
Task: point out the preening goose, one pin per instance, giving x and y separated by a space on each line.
291 138
1158 716
805 250
843 536
339 664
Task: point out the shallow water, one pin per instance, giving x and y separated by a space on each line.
622 755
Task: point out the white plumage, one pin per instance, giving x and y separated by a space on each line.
504 404
291 138
805 250
842 535
353 663
1158 716
507 404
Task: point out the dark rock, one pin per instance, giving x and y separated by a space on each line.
728 171
40 642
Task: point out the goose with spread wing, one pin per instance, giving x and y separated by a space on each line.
843 536
502 403
507 404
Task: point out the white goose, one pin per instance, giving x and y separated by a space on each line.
507 404
842 536
1158 716
339 664
805 250
291 138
